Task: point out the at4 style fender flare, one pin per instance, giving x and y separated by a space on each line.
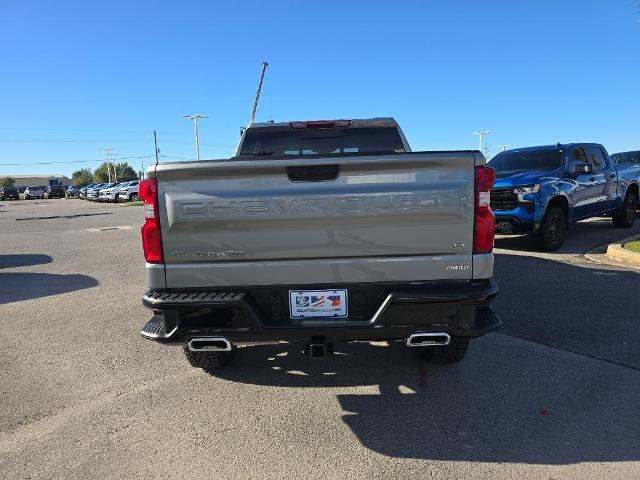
560 200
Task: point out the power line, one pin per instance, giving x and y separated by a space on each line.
73 161
111 140
32 140
177 158
139 157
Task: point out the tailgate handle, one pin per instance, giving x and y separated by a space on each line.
313 173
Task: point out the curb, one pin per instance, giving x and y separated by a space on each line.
616 251
599 256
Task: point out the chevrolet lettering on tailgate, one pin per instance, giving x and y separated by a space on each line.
304 206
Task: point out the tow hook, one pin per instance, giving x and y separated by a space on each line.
318 347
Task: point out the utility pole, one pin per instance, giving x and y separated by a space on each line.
195 119
503 147
106 154
481 134
255 102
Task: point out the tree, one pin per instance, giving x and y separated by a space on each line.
124 172
101 174
7 182
82 176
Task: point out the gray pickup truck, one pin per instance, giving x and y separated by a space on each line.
320 232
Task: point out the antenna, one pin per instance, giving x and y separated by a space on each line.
255 103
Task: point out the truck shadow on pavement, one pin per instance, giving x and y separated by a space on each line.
18 286
15 287
24 260
511 400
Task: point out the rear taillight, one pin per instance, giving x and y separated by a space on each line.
151 239
485 222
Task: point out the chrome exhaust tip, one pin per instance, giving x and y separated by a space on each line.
431 339
209 344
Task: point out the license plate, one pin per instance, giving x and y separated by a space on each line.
318 303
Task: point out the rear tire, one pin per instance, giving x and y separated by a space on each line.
209 361
553 230
452 353
627 215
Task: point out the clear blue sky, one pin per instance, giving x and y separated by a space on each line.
76 76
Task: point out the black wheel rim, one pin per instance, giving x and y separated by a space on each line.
555 230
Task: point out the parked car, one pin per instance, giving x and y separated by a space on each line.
129 192
109 194
337 233
33 192
106 186
73 191
55 191
541 191
93 192
9 193
21 189
83 191
625 158
117 188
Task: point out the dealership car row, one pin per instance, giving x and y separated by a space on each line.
103 192
13 193
107 192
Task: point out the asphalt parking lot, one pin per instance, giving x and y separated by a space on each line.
554 395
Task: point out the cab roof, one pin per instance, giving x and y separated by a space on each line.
356 122
557 145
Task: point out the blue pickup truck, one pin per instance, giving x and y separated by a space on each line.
541 191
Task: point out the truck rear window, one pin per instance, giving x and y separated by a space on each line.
325 141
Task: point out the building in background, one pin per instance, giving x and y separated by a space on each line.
38 180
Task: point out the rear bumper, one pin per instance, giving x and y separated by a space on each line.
390 312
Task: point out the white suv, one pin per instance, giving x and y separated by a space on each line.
129 192
33 192
110 193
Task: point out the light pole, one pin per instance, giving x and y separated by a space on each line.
503 147
195 119
481 134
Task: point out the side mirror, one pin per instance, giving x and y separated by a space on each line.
581 169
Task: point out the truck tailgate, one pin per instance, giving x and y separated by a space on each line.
407 217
